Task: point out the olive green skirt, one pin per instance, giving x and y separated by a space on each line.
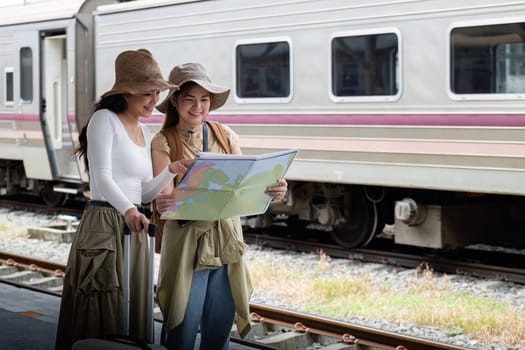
92 299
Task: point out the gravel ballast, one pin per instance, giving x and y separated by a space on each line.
13 238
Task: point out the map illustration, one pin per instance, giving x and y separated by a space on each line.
218 186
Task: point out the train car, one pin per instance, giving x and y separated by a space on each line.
406 112
46 89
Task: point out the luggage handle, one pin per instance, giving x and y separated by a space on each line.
150 335
152 231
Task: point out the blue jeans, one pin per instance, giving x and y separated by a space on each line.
211 307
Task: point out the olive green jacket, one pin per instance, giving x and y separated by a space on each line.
202 245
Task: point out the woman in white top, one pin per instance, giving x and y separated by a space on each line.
118 160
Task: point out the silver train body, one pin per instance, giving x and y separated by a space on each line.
407 112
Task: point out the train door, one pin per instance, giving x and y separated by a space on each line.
54 108
54 114
27 106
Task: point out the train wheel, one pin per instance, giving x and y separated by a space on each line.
361 222
385 215
51 198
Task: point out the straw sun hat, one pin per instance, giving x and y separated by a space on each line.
137 72
197 73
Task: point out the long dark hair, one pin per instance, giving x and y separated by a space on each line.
172 115
115 103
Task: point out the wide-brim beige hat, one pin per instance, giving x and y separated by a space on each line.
137 72
196 73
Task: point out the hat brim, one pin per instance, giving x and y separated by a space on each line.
220 94
157 84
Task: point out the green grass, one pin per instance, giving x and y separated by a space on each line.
425 301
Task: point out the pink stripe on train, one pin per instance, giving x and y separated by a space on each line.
501 120
487 120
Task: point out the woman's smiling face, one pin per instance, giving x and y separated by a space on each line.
193 105
142 104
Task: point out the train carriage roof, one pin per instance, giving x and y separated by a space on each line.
29 11
139 4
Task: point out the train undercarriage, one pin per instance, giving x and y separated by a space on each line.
13 181
352 215
355 215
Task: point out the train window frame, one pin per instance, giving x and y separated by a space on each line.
26 76
398 73
283 99
449 66
9 90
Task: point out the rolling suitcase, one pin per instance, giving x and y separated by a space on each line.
124 342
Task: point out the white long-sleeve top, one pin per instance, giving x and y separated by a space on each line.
120 171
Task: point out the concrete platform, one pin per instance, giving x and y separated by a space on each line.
28 320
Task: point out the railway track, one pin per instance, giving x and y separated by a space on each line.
35 204
272 328
271 331
501 266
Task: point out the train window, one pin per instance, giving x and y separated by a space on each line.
263 70
9 86
488 59
365 65
26 74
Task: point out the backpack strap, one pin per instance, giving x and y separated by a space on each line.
204 137
220 135
174 143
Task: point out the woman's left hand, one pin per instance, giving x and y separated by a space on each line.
278 191
164 201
